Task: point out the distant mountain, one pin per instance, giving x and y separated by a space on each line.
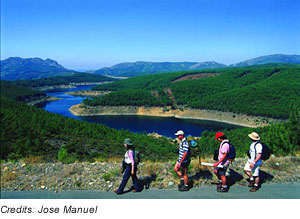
35 68
131 69
31 68
277 58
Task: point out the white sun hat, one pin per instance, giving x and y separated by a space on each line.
180 132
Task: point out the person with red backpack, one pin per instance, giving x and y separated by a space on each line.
223 162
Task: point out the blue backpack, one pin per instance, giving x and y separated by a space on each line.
231 153
192 142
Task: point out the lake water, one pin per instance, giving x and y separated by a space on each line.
160 125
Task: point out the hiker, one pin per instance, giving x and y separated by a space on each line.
254 162
183 161
130 168
222 160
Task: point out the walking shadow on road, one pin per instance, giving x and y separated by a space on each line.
202 174
144 182
264 177
233 177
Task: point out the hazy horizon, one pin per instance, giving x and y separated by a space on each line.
90 34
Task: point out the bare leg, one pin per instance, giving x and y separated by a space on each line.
223 180
185 177
257 180
177 171
248 173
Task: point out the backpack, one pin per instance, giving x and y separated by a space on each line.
266 152
231 153
136 157
192 142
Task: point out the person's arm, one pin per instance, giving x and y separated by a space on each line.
220 161
182 159
258 149
185 152
132 161
224 150
257 158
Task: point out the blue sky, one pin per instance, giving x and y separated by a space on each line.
90 34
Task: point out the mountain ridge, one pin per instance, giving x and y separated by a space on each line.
14 68
130 69
125 69
275 58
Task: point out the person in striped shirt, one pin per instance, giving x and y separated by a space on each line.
183 161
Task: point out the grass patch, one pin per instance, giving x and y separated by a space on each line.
33 159
115 172
9 176
152 168
106 176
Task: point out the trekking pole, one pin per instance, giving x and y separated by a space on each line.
199 155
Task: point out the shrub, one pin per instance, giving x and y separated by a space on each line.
62 154
106 176
64 157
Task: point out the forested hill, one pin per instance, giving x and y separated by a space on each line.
132 69
20 93
65 80
263 90
31 68
28 131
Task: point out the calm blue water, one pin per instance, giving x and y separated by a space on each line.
162 126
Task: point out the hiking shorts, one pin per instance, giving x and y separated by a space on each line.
185 164
255 170
221 171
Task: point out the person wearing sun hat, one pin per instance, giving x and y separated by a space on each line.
130 168
183 161
254 162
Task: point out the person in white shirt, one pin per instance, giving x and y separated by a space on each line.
254 162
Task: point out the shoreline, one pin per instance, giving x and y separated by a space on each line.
88 93
67 86
43 100
199 114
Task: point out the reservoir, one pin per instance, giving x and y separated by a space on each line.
138 124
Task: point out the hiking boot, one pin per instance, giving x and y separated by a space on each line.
254 189
222 189
184 189
219 185
118 192
181 183
251 183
